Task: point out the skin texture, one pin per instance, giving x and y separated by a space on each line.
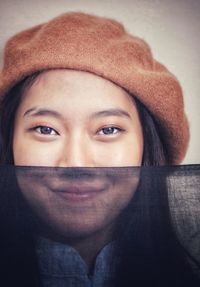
76 97
77 119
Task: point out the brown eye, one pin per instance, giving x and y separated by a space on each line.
109 131
44 130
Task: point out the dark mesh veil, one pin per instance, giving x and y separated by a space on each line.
155 242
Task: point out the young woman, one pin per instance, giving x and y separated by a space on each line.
86 101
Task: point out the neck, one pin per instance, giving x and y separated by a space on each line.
87 246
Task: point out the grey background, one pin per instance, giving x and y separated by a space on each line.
172 28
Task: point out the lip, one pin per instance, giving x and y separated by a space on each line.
75 193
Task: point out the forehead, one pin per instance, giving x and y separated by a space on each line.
76 89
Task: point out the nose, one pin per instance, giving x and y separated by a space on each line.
76 152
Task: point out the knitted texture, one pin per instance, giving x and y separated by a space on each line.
102 46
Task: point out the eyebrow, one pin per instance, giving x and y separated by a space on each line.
106 113
42 112
112 112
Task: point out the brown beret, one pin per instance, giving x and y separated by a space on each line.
102 46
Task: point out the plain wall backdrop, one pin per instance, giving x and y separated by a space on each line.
172 29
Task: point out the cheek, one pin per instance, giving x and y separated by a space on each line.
28 155
26 152
128 152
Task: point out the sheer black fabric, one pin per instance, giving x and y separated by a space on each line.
150 214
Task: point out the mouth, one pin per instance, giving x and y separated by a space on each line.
79 192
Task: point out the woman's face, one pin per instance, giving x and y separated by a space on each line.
77 119
70 118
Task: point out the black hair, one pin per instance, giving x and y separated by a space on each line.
167 268
149 250
8 108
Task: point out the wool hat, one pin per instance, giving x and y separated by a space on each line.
102 46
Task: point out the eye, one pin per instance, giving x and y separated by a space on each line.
44 130
109 131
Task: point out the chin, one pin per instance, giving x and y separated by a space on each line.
68 228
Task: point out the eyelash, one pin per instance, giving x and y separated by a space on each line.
37 128
114 130
117 130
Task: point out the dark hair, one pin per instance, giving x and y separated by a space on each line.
8 108
156 222
146 228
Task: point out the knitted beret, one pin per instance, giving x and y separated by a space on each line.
102 46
